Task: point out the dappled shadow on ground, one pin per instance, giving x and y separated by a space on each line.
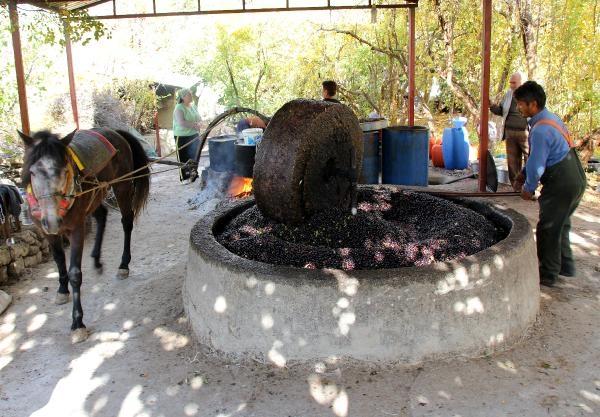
141 359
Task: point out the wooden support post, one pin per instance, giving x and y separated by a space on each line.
19 69
157 146
72 90
411 66
485 92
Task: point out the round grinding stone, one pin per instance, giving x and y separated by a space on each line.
309 160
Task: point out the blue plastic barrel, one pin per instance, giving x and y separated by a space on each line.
455 146
371 161
221 153
405 155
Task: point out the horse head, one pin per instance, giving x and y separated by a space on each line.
47 176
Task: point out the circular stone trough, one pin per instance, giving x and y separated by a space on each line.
477 305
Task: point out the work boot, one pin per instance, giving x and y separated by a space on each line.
547 281
567 271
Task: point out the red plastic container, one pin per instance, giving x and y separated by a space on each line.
437 156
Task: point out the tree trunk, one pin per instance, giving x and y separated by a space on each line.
447 73
527 26
586 146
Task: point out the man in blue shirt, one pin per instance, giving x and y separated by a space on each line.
554 163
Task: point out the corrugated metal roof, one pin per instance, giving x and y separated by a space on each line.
62 5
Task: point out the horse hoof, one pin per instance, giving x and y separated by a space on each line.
61 298
79 335
122 273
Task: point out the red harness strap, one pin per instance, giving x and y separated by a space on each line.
558 127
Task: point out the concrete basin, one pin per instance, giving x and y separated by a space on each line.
478 305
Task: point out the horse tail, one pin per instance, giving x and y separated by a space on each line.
141 181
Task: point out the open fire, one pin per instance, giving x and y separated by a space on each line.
240 187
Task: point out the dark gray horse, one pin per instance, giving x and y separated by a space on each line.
59 205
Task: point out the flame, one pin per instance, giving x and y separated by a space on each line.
240 187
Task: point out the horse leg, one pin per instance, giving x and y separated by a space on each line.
124 194
100 216
78 331
127 222
58 253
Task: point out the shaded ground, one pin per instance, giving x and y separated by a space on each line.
142 361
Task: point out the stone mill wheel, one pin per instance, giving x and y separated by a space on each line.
309 160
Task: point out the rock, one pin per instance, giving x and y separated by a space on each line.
44 243
3 274
33 249
5 257
30 261
16 268
5 300
39 258
29 236
19 250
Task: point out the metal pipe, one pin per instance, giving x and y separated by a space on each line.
485 92
443 193
476 194
411 66
19 69
72 91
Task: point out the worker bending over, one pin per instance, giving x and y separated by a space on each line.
554 163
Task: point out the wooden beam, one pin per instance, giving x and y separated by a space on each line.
72 90
19 69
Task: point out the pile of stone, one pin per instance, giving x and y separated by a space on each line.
24 250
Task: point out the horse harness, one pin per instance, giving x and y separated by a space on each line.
76 175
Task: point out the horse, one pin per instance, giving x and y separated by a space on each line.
60 198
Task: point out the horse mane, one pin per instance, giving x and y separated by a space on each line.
46 144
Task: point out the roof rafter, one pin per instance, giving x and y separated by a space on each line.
244 7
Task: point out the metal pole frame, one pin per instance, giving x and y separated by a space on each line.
19 69
486 38
411 66
246 9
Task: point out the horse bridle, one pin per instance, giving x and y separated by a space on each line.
67 195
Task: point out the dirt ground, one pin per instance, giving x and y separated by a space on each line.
141 359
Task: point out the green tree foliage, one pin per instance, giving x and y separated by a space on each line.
40 31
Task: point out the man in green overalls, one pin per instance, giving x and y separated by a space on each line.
554 163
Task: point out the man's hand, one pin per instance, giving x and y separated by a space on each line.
527 196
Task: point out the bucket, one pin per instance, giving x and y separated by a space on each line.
221 153
252 136
405 155
244 159
371 161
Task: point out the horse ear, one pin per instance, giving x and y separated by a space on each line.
67 139
27 140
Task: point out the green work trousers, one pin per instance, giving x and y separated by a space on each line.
563 187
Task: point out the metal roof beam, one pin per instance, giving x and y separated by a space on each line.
62 5
262 10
